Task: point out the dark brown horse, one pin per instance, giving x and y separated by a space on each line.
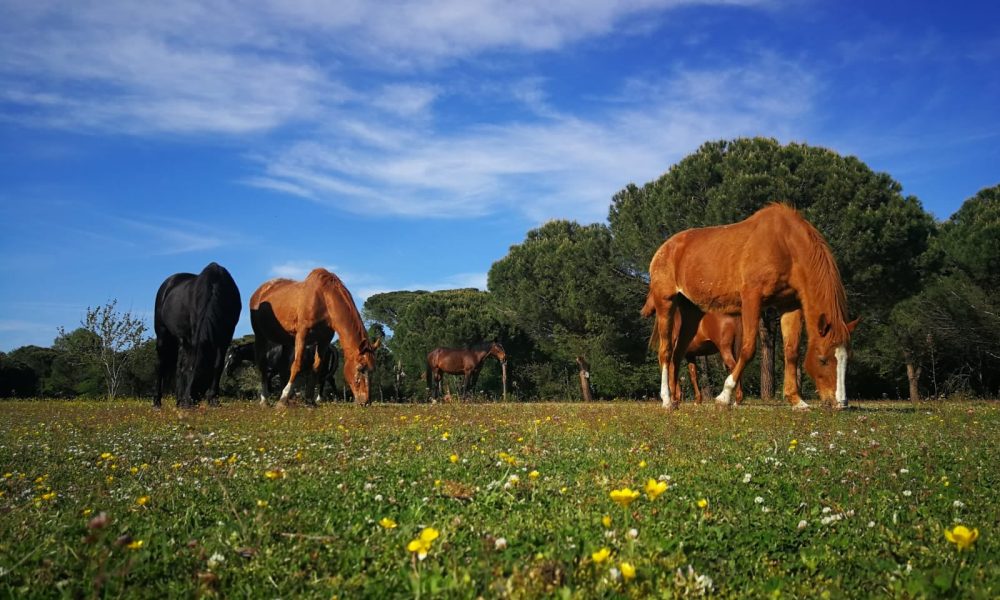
461 361
773 258
297 313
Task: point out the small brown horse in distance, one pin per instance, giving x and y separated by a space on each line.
773 258
287 312
462 361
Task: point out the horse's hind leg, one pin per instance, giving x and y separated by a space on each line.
260 347
166 365
690 317
213 390
693 375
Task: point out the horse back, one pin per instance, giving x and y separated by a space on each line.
171 312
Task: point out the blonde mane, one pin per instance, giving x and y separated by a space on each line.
332 284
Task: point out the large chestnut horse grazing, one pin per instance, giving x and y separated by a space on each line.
300 313
462 361
194 318
773 258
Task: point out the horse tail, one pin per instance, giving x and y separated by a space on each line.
648 310
649 307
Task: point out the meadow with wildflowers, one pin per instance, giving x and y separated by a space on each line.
499 500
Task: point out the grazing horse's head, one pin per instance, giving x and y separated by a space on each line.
358 368
826 362
497 350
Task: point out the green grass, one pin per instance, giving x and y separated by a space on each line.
875 488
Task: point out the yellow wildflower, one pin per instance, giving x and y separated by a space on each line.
654 488
624 496
962 536
628 571
642 464
49 496
703 503
422 545
107 456
262 504
135 545
133 470
606 521
387 523
534 475
453 458
275 474
142 500
601 555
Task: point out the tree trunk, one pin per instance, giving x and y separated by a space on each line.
912 375
705 377
766 343
584 379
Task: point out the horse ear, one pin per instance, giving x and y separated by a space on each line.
377 344
853 324
824 325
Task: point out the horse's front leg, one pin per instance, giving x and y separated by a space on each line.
300 347
750 300
791 333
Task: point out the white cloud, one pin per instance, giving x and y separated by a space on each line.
564 165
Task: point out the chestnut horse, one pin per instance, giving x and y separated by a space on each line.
289 312
717 333
461 361
722 333
773 258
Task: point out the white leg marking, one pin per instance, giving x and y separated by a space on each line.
263 399
725 397
800 406
841 353
285 392
664 387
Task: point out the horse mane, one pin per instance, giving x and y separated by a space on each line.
328 281
819 261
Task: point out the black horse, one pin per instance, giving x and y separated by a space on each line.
194 319
278 362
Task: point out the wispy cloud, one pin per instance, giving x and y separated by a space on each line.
164 236
566 165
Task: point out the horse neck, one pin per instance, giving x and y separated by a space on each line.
342 316
825 295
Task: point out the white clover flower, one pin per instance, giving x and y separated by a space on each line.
958 504
215 560
633 533
759 500
747 477
615 573
904 471
803 524
500 543
907 493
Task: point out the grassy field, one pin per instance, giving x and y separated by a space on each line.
102 499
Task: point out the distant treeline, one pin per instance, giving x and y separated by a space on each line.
927 291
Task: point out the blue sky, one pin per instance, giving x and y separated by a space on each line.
407 144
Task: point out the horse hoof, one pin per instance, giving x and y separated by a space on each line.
800 405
